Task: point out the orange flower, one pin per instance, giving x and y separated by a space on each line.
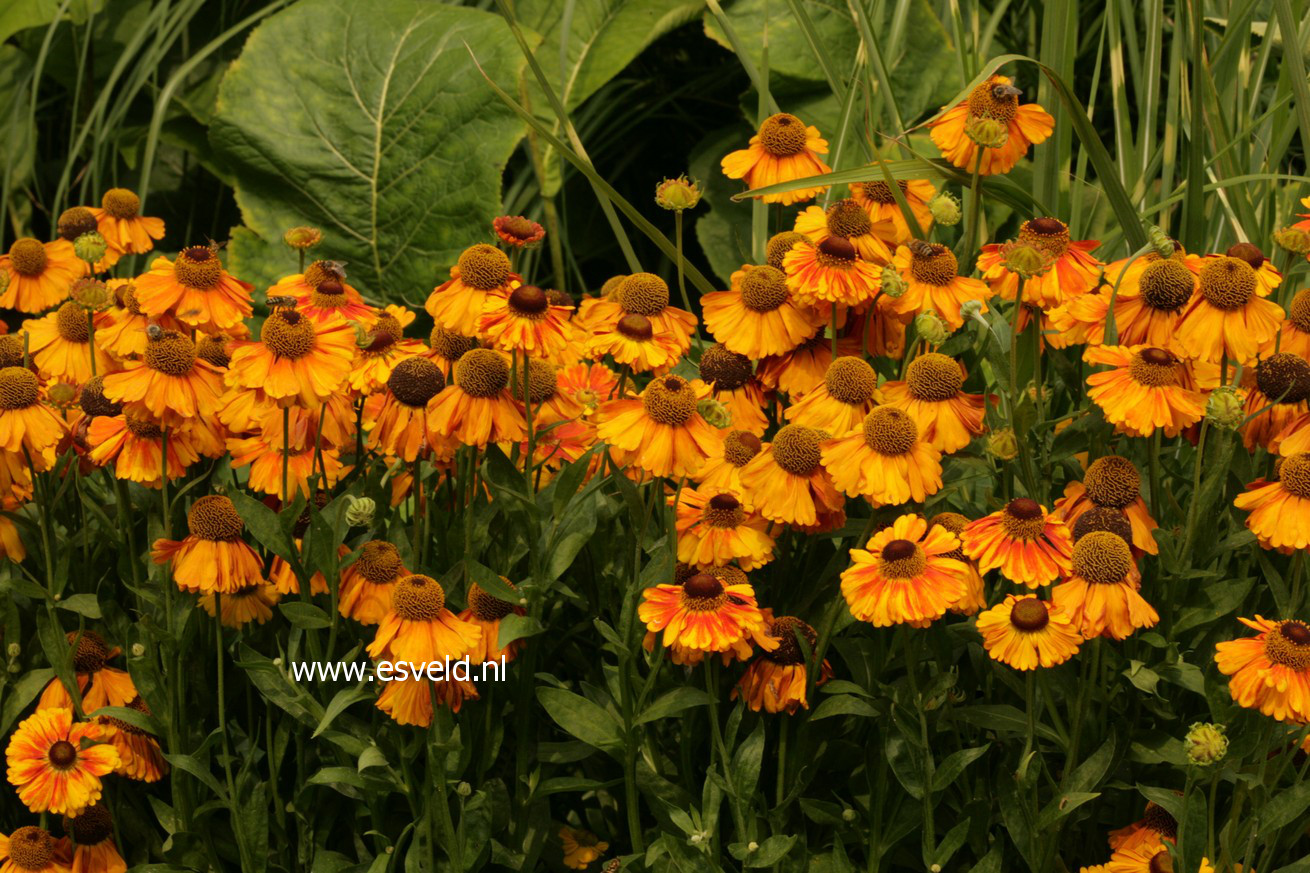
517 231
419 628
634 344
778 680
40 274
839 404
213 557
526 320
1029 546
52 766
60 344
27 424
722 470
786 481
296 360
134 442
702 613
125 229
482 271
265 457
477 407
660 431
1073 272
1100 593
933 282
169 381
123 330
947 417
884 460
486 612
1270 671
1295 330
98 683
1110 482
396 418
879 201
1027 633
830 272
366 585
1154 828
31 849
757 316
905 575
1149 294
586 384
1226 316
239 608
643 294
409 701
196 290
380 349
1148 389
1280 510
849 221
715 528
783 150
801 370
991 113
94 849
1277 402
322 292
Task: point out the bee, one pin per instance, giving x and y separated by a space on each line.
334 268
281 302
154 332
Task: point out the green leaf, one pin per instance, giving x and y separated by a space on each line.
950 769
516 627
305 615
746 762
82 604
143 720
581 717
21 693
843 704
380 132
1286 806
341 701
489 581
264 525
674 702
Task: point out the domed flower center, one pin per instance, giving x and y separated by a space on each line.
542 382
779 244
1103 518
287 334
448 344
636 328
1288 645
172 354
1294 473
1298 313
519 227
670 401
1050 235
378 562
1166 285
889 431
75 221
484 267
724 511
933 263
1102 557
415 381
28 257
213 348
331 294
1023 519
31 848
11 350
91 651
725 370
1158 819
71 323
995 99
559 298
418 598
1112 481
1161 862
1284 376
62 754
643 294
19 388
933 377
1154 368
764 289
197 267
847 218
703 593
902 559
782 135
121 203
1249 252
529 301
485 607
850 380
796 449
788 630
836 252
386 333
482 373
331 273
739 446
1029 615
214 518
143 427
93 825
880 192
93 400
1228 283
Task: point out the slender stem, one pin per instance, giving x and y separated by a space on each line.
286 451
237 830
677 241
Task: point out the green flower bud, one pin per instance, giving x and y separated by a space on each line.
1003 444
360 510
1206 743
90 247
714 412
972 309
92 294
893 285
931 327
1160 241
945 208
987 132
1224 408
677 194
1024 260
302 237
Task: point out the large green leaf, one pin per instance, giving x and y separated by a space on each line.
371 122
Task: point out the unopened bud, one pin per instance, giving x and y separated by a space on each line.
752 846
893 284
90 247
1003 444
138 650
945 208
1224 408
1206 743
360 511
463 789
1025 261
972 309
714 412
932 327
987 132
1160 241
62 395
1293 239
848 815
303 237
92 295
677 194
14 650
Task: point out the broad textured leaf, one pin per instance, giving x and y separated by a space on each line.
377 128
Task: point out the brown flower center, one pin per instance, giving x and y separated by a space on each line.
11 350
172 354
1166 285
1228 283
703 593
485 607
287 334
778 245
636 328
62 754
482 373
836 252
75 221
121 203
19 388
542 382
933 377
889 431
1161 862
1285 376
1029 615
1294 473
448 344
91 652
847 218
142 426
415 381
739 446
782 135
1298 313
643 294
1249 252
1112 481
723 511
378 562
993 99
484 267
31 848
71 323
1288 645
28 257
902 559
1102 557
93 400
850 380
93 825
786 630
1154 368
880 192
1103 518
1023 519
418 598
1050 235
1158 819
670 400
529 301
214 518
796 449
933 263
725 370
197 267
763 289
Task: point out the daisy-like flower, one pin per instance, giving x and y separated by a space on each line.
1280 510
196 290
880 203
295 360
265 455
1146 858
1148 388
212 557
784 149
904 575
1027 633
1271 670
477 407
409 701
1148 302
933 281
27 424
756 316
31 849
587 384
661 431
98 683
1112 482
776 681
733 383
647 295
1226 316
975 596
1277 403
786 481
634 343
170 381
40 274
830 272
60 345
1268 275
56 764
549 405
366 585
481 272
125 229
884 460
947 417
396 419
380 348
722 470
239 608
94 849
122 329
1100 591
801 370
580 847
419 628
1073 273
991 113
715 528
850 221
1028 545
525 320
702 613
134 443
517 231
487 612
322 292
848 393
447 347
1154 828
1295 330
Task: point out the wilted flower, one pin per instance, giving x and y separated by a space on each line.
302 237
892 283
1206 743
931 327
360 510
677 194
946 209
1224 408
1003 445
90 247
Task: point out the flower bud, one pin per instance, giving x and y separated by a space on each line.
945 209
62 395
752 846
1224 408
987 132
1003 444
138 650
14 650
614 865
677 194
1025 261
848 815
1293 239
714 412
972 309
1160 241
931 327
90 247
303 237
1206 743
92 295
360 511
463 789
893 284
